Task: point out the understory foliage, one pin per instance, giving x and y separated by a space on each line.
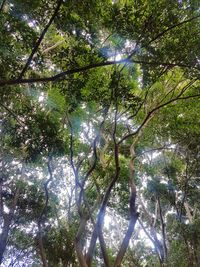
100 135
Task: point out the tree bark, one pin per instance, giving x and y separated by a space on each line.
134 216
7 220
41 248
4 235
92 247
163 230
78 245
97 232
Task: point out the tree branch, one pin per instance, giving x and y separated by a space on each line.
101 214
40 40
61 75
162 229
2 5
152 112
13 114
173 27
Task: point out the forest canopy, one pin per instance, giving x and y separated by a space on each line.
100 133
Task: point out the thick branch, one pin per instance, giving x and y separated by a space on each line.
88 67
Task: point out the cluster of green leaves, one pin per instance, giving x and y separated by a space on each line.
61 119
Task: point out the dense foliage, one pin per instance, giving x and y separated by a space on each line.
99 130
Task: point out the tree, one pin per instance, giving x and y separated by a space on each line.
90 91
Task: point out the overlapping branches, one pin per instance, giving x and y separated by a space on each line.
129 59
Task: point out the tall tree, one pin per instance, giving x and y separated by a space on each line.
98 99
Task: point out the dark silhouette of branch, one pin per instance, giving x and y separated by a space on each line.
13 114
40 40
161 34
2 5
139 107
62 75
91 66
75 170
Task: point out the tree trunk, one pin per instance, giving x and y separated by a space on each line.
125 242
4 235
78 245
7 219
133 218
41 248
92 247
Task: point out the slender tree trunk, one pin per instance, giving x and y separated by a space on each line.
41 247
163 231
101 214
7 218
4 235
196 254
134 216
